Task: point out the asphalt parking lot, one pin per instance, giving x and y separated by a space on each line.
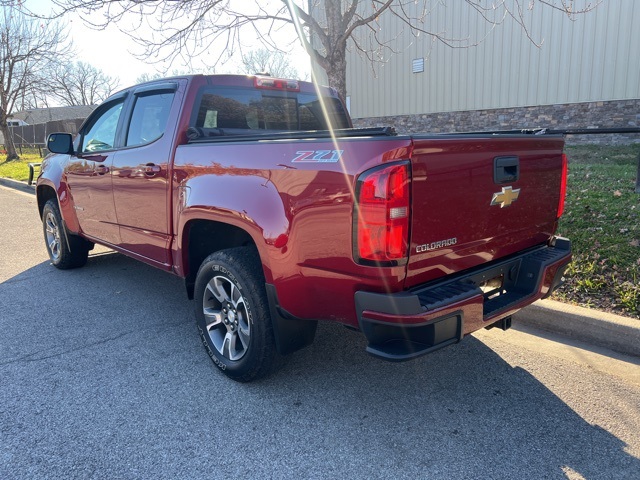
102 375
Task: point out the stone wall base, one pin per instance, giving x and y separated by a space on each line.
610 114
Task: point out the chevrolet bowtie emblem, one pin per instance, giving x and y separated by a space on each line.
506 197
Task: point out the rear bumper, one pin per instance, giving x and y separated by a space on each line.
405 325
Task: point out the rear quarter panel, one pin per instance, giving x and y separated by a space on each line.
299 213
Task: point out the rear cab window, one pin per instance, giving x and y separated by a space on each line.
250 110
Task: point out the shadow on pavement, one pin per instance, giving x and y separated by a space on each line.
103 375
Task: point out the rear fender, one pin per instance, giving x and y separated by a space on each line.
250 203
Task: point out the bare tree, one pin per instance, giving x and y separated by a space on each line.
148 77
79 84
326 28
176 72
273 62
28 49
36 97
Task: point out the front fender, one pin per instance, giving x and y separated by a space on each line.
52 178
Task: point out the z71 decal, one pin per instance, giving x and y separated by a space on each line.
318 156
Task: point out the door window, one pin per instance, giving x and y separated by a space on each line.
149 118
102 132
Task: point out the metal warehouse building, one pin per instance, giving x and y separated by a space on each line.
584 73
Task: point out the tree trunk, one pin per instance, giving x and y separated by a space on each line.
9 146
337 72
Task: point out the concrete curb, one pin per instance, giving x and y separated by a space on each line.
22 186
614 332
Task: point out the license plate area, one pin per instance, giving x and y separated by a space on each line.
498 285
493 288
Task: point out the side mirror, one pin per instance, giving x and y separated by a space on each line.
60 143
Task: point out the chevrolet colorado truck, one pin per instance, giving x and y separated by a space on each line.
277 214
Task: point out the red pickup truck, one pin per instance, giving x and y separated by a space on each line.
277 213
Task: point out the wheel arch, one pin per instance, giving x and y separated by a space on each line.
200 237
46 190
214 213
44 193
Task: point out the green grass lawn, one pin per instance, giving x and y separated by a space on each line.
601 217
18 169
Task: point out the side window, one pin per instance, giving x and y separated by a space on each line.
102 131
149 119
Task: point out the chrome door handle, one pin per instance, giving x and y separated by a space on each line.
151 169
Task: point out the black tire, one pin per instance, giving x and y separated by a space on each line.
232 314
65 250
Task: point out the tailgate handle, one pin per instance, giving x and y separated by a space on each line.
506 169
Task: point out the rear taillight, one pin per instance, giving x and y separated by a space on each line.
382 214
563 184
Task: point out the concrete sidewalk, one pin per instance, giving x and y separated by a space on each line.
594 327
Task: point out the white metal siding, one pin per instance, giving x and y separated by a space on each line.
595 57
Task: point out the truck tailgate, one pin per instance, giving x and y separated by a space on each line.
476 199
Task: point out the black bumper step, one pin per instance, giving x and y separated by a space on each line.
408 324
521 277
